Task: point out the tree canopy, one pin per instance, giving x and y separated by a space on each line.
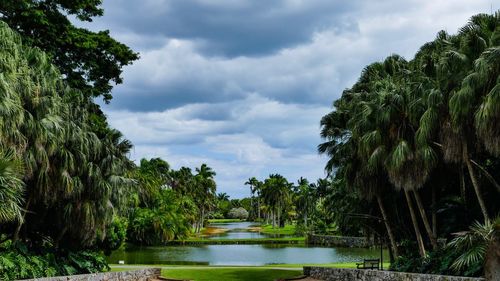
90 61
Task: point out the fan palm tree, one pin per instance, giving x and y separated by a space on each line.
276 194
11 189
478 245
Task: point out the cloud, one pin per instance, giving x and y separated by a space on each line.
242 85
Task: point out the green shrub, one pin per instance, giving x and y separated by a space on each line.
116 235
18 262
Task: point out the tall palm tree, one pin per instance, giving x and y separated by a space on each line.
11 189
254 185
276 194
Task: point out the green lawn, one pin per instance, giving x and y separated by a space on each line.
236 273
289 229
278 240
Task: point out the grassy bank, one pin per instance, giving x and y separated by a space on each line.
199 241
235 273
224 220
242 273
289 229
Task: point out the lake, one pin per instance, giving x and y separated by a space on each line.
241 254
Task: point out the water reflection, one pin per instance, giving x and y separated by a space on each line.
241 255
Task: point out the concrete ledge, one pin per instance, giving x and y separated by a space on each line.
340 241
344 274
146 274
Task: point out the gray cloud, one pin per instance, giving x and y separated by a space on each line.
242 85
231 28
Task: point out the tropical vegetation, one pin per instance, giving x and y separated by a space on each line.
421 136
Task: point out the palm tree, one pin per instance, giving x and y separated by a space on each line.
306 199
254 187
276 194
11 189
204 192
478 245
222 196
73 178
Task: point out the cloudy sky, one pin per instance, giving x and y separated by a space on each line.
242 84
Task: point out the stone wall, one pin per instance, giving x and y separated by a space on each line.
340 241
343 274
146 274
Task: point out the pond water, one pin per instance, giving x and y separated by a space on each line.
241 254
239 230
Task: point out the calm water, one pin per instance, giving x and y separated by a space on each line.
238 230
241 254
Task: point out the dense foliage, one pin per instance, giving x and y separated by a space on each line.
60 182
422 136
19 262
90 61
171 204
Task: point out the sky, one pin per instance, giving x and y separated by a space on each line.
241 85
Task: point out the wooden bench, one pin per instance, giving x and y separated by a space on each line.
369 264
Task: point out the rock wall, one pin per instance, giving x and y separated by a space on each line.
340 241
343 274
146 274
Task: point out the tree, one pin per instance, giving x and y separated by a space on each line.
74 179
480 242
11 189
90 61
306 198
276 194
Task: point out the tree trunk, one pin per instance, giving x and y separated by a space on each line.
487 175
258 208
252 207
434 216
492 259
427 226
475 183
60 236
274 218
462 185
418 234
394 245
21 222
279 221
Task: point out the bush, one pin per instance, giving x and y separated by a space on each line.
436 262
17 262
116 235
238 213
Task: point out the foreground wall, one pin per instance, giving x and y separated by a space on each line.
146 274
340 241
343 274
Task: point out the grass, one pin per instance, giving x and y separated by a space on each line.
289 229
224 220
241 273
278 240
235 273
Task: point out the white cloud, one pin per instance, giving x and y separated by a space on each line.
251 115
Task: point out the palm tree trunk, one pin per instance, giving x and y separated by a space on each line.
21 222
279 221
487 175
394 245
258 208
418 234
475 183
434 216
427 226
